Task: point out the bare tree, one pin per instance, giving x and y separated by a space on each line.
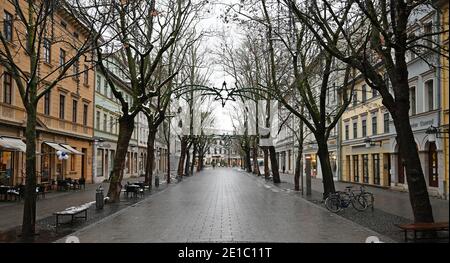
374 38
140 33
31 30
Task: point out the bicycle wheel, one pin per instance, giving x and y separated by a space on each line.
369 198
359 202
333 203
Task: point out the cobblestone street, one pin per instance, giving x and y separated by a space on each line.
224 205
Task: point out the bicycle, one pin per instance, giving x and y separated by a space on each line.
368 197
340 200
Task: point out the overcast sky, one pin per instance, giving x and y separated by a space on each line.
218 76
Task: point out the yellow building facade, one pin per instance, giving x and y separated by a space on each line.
365 147
65 119
444 5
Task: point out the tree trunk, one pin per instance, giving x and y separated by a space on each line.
325 166
150 157
186 165
182 156
255 157
194 151
29 208
126 127
266 163
298 177
274 165
168 159
417 187
248 164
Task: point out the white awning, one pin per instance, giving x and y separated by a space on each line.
57 147
71 149
14 144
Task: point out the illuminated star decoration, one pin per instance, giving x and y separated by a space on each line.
229 92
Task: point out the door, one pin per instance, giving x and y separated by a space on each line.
433 166
83 163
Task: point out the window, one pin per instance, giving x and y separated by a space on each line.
99 84
412 99
374 124
63 24
111 124
62 57
355 98
428 30
97 120
62 106
85 114
355 130
376 168
47 103
86 75
386 122
8 27
364 128
429 95
105 121
74 111
105 88
47 51
7 88
374 93
76 35
355 168
364 93
347 132
365 168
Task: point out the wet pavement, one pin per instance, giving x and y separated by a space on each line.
388 200
224 205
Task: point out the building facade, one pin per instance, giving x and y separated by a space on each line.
445 92
369 146
107 111
64 114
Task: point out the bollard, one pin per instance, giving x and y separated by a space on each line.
99 198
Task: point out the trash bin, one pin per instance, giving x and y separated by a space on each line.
157 181
99 198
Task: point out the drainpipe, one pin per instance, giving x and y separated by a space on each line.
438 18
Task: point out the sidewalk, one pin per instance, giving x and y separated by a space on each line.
391 207
390 201
12 212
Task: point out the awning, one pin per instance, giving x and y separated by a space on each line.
14 144
57 147
71 149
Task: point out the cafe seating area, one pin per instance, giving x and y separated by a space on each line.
17 192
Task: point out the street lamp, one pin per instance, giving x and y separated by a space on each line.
433 133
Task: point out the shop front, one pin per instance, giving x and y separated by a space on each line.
12 153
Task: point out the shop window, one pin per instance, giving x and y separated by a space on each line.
6 167
365 168
376 168
99 162
355 168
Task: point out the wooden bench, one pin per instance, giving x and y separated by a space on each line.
73 212
422 227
